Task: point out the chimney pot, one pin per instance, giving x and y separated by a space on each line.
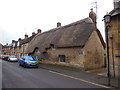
19 39
39 31
13 41
33 33
26 36
58 24
116 4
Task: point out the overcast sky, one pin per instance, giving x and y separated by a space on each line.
18 17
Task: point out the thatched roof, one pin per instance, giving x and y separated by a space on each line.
72 35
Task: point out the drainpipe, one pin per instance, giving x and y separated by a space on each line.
108 73
23 49
111 37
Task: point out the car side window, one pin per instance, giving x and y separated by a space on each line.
22 59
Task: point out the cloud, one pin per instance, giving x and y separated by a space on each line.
25 16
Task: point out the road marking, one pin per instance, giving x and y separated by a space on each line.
80 79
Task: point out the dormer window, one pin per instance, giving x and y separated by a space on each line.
37 50
52 45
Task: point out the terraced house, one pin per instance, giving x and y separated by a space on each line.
79 44
22 44
19 47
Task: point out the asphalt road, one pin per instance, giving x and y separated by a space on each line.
14 76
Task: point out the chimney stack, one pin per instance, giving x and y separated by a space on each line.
13 41
26 36
39 31
58 24
33 33
6 44
92 15
116 4
19 39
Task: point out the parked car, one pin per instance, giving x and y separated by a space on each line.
1 56
28 61
5 57
12 58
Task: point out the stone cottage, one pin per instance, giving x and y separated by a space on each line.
79 43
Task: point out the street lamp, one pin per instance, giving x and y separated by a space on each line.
107 19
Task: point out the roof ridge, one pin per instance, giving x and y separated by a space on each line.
86 20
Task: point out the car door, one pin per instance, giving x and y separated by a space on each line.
21 61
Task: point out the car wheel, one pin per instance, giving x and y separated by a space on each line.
24 66
37 66
8 60
19 64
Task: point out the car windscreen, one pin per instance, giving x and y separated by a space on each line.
12 56
29 58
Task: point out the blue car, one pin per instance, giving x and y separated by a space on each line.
28 61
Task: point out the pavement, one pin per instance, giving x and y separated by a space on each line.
96 76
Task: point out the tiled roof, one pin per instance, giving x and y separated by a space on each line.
26 40
115 11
